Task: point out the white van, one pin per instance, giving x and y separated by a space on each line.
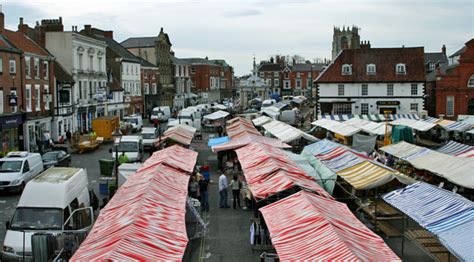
268 102
189 116
17 168
162 113
132 146
149 136
135 121
53 202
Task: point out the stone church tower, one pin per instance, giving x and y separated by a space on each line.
347 38
165 68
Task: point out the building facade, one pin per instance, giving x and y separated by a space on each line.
302 76
271 73
252 87
433 62
150 79
165 67
454 84
182 81
373 81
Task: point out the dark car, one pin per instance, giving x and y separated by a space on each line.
56 158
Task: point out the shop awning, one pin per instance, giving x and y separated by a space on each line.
419 125
145 220
217 141
455 169
454 148
367 175
261 120
181 133
248 139
375 117
268 171
337 127
217 115
440 211
286 132
316 228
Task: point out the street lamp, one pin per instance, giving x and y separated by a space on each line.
116 136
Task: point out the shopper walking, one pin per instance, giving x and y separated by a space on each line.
203 185
223 191
236 186
193 188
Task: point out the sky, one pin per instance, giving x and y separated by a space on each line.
238 30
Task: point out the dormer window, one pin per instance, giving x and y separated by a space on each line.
347 69
470 83
401 69
371 69
431 66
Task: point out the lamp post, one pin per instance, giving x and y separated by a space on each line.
116 136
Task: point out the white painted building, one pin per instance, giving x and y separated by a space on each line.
373 81
182 83
85 59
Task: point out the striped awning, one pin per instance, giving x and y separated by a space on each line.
469 153
373 117
430 119
307 227
454 148
454 125
367 175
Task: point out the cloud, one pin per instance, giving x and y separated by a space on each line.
243 13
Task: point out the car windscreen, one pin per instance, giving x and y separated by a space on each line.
37 218
50 156
148 136
128 146
131 120
10 166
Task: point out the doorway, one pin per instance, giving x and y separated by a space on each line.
470 107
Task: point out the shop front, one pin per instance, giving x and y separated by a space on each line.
11 127
388 107
35 133
82 119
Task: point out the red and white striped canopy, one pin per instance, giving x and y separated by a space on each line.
247 139
238 127
268 171
145 220
307 227
182 134
174 156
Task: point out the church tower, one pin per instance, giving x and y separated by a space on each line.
347 38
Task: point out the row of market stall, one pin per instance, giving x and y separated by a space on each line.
145 220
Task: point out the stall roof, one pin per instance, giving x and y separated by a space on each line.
145 220
217 115
174 156
469 153
454 148
454 125
368 126
248 139
440 211
261 120
455 169
217 141
286 132
239 126
326 231
419 125
376 117
268 171
337 127
220 107
181 133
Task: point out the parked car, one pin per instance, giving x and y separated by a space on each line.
17 168
56 158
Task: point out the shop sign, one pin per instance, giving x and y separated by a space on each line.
388 103
10 121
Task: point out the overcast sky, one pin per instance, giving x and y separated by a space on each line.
237 30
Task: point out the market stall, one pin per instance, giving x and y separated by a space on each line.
261 120
248 139
455 149
179 134
286 132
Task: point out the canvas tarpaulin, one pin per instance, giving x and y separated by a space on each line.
363 143
368 126
287 133
181 133
336 127
217 115
454 148
261 120
238 127
217 141
419 125
247 139
319 229
327 176
402 133
145 220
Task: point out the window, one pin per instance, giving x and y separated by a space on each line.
277 82
470 82
414 107
12 66
27 67
46 104
262 74
80 62
1 101
365 90
298 83
309 83
364 108
13 94
287 84
193 70
400 69
46 69
342 109
276 74
28 98
91 62
340 90
37 98
414 89
147 86
100 64
298 75
1 66
37 68
450 105
153 87
371 69
347 69
431 66
390 89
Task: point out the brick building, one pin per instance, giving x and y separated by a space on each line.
433 61
454 85
271 73
150 78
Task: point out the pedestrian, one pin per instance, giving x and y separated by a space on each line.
203 186
223 191
69 136
39 144
236 185
193 187
156 122
123 158
220 130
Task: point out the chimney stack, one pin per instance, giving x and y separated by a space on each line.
109 34
443 49
88 29
2 20
22 27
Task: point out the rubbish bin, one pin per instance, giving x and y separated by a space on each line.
106 167
269 257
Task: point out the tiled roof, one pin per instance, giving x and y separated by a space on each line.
442 70
146 63
307 67
134 42
270 67
435 58
114 46
61 73
459 52
24 43
198 60
385 60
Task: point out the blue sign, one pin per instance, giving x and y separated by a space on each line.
11 121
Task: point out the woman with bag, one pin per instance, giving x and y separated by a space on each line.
236 185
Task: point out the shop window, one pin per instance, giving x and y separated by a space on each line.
342 109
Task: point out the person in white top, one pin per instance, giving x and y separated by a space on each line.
223 191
